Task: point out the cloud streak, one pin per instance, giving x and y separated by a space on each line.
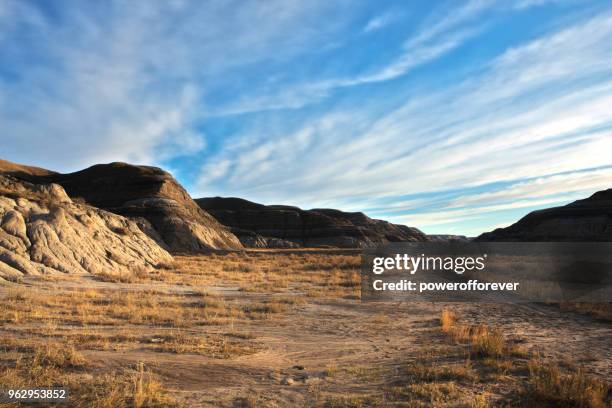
127 80
435 115
536 110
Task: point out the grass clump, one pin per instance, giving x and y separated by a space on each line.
549 385
483 340
52 365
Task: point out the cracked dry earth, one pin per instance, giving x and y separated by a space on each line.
336 347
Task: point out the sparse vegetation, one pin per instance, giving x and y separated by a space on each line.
224 312
549 385
602 311
54 364
483 340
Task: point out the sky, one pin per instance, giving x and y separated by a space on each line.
453 117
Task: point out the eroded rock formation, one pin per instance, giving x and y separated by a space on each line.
42 231
144 193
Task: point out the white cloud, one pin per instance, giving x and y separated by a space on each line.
543 191
445 31
575 184
125 80
433 40
539 109
523 4
378 22
132 81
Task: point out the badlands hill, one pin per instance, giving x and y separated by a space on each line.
589 219
148 195
22 171
42 231
259 225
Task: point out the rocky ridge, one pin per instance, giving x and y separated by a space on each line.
258 225
589 219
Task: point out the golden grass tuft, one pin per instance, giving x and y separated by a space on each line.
447 320
483 340
549 385
487 342
51 364
58 356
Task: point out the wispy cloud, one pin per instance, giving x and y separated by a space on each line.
444 31
543 191
446 119
126 81
378 22
538 109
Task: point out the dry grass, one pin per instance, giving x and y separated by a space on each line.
447 320
487 342
135 275
316 275
429 394
483 340
211 345
64 356
331 369
112 307
53 364
432 370
468 371
549 385
53 324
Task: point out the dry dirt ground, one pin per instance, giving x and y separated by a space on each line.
287 329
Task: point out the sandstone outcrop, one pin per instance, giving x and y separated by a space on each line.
42 231
589 219
259 225
149 195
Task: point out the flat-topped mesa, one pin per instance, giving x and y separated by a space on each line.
149 195
259 225
152 194
589 219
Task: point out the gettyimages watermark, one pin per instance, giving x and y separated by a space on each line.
491 272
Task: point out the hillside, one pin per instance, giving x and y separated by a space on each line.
43 232
259 225
149 195
589 219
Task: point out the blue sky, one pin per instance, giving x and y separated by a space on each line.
454 117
